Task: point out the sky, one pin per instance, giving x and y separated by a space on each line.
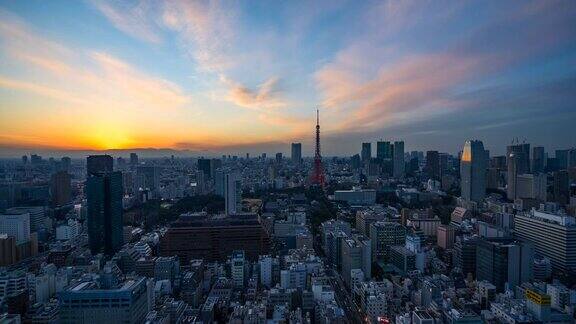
238 77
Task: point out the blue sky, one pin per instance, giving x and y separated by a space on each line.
247 76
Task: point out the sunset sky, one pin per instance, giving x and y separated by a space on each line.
246 76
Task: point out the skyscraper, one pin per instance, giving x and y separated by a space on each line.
522 155
473 171
398 159
99 163
148 177
561 187
433 164
383 150
538 159
104 198
204 166
366 153
514 162
562 159
232 192
60 188
133 158
296 153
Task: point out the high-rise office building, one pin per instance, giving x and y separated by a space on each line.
433 165
279 158
84 302
296 156
356 254
232 192
465 254
104 198
504 262
383 150
522 155
473 171
37 215
16 225
65 164
148 177
572 158
514 160
204 166
561 187
133 159
538 159
99 164
532 186
238 268
384 235
61 188
562 159
553 235
366 153
398 160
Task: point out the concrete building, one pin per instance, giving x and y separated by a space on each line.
504 262
238 268
16 225
446 236
356 254
128 303
553 236
356 196
383 235
215 237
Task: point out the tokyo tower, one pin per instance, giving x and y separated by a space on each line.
318 173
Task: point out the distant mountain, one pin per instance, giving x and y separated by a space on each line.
142 152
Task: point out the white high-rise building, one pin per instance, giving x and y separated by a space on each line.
473 171
37 216
16 225
238 270
232 192
266 267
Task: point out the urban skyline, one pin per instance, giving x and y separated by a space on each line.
303 162
215 78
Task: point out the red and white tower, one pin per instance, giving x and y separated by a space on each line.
318 172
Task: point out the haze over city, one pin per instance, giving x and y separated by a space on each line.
211 77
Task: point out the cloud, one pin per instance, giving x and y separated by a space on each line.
266 96
132 18
206 31
80 77
412 88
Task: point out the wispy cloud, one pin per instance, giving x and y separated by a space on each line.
425 84
132 18
81 77
265 96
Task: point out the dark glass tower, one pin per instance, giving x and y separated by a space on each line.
104 195
99 163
